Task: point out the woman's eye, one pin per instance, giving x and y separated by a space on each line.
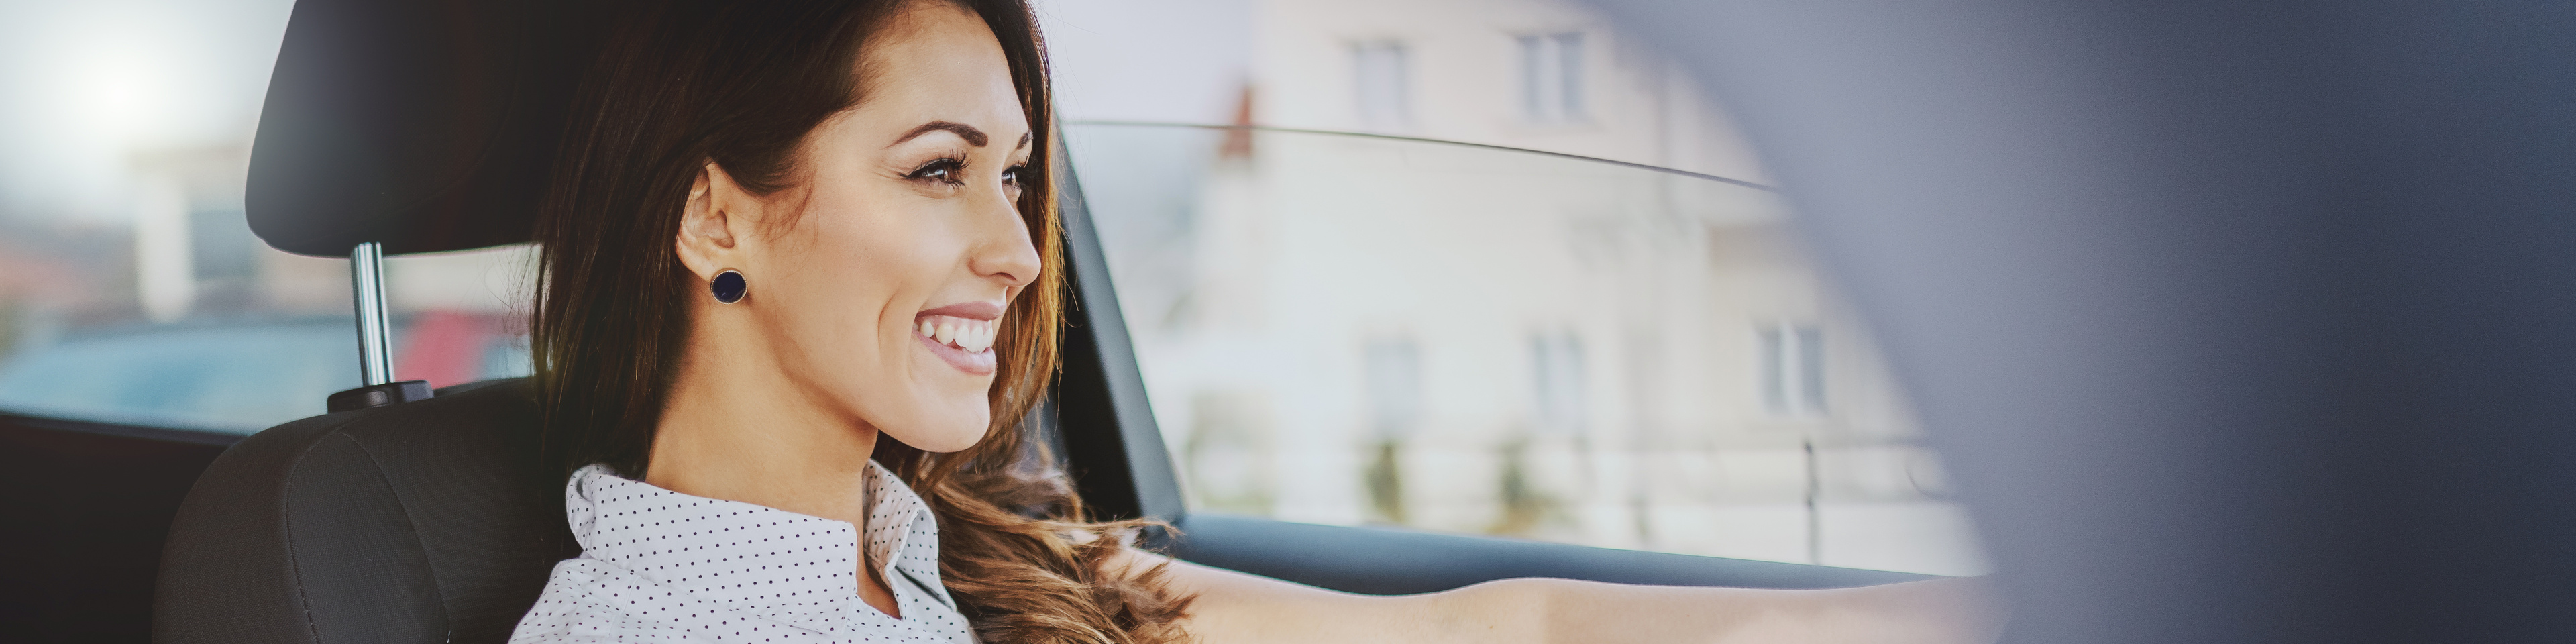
943 171
1011 177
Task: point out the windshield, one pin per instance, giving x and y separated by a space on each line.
1363 329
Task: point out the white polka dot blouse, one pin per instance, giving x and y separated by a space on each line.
660 566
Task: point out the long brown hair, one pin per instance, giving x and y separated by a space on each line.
684 82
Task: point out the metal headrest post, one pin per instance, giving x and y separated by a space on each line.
375 338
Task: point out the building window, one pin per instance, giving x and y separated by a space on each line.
1383 81
1552 77
1793 369
1557 361
1394 380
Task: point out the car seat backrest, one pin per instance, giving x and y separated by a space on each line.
429 521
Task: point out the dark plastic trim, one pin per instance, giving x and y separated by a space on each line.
121 430
378 395
1109 439
1383 561
89 506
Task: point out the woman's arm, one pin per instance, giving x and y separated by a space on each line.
1944 611
1236 608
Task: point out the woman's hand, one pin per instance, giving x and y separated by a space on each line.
1946 611
1236 608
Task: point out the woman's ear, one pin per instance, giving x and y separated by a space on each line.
709 225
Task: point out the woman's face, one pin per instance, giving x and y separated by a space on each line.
877 284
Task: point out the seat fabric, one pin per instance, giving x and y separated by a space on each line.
429 521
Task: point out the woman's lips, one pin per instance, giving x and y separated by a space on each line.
970 310
976 363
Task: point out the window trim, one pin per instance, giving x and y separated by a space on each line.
1097 417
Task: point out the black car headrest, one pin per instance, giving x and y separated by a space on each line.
429 521
422 125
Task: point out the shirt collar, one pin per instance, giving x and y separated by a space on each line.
903 535
780 565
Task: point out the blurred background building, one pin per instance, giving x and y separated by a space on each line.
1351 330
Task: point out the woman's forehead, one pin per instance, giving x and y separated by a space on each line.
938 61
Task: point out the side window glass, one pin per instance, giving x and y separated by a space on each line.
230 335
132 289
1363 330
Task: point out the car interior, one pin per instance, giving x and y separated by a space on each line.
2293 273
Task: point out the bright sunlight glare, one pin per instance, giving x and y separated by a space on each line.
118 97
89 88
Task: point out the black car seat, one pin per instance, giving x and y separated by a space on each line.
415 126
426 521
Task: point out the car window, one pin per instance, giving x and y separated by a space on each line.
244 350
131 288
1358 329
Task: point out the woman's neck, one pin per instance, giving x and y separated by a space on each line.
738 430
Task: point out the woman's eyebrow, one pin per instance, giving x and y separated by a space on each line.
1024 139
972 136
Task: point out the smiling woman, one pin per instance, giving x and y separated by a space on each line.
890 239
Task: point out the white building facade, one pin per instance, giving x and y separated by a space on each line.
1352 330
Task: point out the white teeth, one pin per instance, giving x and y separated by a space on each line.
962 333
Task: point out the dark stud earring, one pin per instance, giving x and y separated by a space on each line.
729 286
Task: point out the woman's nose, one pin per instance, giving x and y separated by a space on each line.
1008 255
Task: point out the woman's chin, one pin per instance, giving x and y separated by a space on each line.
956 433
941 444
